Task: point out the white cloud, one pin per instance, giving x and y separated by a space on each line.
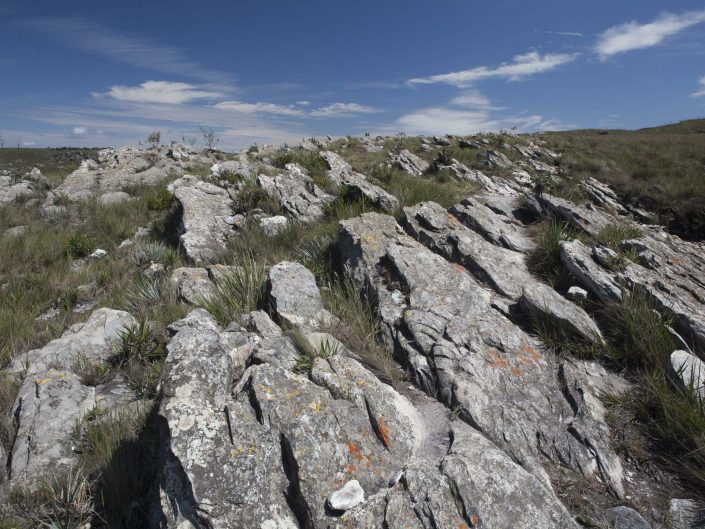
165 92
521 66
701 90
258 108
342 109
634 36
303 103
473 99
566 33
442 120
78 132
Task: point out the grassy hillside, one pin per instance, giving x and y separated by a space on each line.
661 169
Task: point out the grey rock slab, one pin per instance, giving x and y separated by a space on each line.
192 285
409 162
15 231
213 448
474 466
586 218
113 197
688 371
684 513
295 298
541 302
625 518
502 269
500 230
92 341
296 192
205 209
272 226
348 496
578 259
466 353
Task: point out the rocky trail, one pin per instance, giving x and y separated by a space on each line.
272 420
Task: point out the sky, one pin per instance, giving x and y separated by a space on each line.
108 72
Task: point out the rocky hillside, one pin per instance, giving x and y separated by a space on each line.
354 333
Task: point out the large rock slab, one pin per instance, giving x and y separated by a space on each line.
469 355
295 298
205 210
52 397
502 269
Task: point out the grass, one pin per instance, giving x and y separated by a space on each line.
78 245
238 289
545 260
659 169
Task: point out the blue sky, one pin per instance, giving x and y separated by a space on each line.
105 72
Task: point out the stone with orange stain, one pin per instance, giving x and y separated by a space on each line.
383 431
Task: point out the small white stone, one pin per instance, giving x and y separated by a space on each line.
577 293
688 370
98 254
272 226
348 497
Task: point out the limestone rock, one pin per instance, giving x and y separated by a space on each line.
296 192
350 495
626 518
205 208
272 226
688 370
295 298
410 163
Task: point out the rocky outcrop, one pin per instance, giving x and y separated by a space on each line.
356 185
296 192
461 349
205 210
409 163
53 398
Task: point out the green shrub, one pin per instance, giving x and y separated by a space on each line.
545 260
237 290
159 199
78 246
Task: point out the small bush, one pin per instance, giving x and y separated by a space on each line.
160 199
545 259
61 501
78 246
252 196
613 234
154 138
140 356
9 387
238 289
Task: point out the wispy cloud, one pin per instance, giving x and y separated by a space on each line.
166 92
634 36
259 108
565 33
442 120
520 67
342 110
140 52
473 99
701 89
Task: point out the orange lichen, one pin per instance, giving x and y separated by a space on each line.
383 431
499 362
350 468
516 372
355 451
474 519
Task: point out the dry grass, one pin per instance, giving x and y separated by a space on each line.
659 169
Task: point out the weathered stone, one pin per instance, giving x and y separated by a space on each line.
495 159
295 298
272 226
468 354
15 231
688 371
350 495
205 208
684 514
296 192
113 197
578 260
192 285
410 163
577 293
626 518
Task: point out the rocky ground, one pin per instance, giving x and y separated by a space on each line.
367 332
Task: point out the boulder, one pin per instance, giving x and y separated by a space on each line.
688 371
296 192
272 226
626 518
204 210
113 197
350 495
